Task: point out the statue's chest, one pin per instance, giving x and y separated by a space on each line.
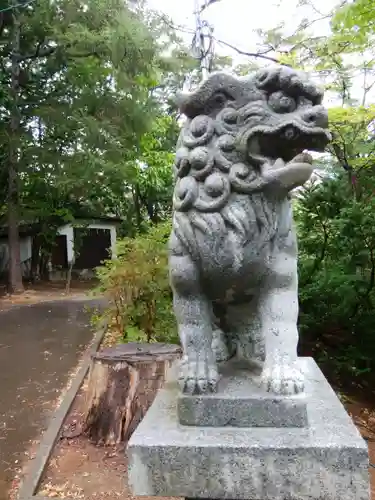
238 257
232 266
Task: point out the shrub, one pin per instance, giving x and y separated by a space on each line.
337 280
137 286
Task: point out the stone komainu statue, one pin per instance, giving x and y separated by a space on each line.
233 251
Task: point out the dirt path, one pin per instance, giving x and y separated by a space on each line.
40 344
46 292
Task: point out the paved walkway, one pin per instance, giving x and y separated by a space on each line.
39 345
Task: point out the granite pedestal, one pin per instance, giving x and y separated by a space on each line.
239 402
325 458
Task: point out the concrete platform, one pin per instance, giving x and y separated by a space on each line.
327 460
240 402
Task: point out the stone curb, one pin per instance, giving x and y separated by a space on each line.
33 477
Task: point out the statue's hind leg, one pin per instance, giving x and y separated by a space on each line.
193 312
244 324
222 344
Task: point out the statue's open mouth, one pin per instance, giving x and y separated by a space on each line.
287 141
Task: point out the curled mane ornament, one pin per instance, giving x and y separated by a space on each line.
233 246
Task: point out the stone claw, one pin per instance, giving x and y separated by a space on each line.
198 376
283 380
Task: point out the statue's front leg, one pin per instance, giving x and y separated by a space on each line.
278 310
199 373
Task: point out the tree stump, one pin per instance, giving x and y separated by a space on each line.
123 382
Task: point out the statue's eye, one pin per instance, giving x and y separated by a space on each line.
219 98
281 103
217 102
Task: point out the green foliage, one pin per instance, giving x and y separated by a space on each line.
353 24
352 135
137 286
149 176
337 271
89 119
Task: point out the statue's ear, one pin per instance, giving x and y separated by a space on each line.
211 95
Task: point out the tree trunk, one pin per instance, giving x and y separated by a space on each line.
15 271
123 382
69 276
43 265
137 207
35 258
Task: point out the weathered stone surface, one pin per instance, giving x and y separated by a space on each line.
233 252
240 401
327 460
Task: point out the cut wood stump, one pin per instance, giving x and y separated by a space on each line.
123 382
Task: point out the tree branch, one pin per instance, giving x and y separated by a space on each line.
47 51
39 52
259 55
2 23
207 4
183 29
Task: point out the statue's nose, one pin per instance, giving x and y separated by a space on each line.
316 117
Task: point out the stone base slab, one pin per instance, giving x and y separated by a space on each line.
240 402
326 460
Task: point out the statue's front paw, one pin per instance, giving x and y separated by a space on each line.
198 376
283 380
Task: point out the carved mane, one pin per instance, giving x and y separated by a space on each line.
214 169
